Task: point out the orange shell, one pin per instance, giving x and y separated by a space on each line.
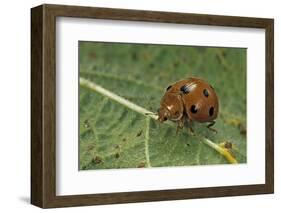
200 99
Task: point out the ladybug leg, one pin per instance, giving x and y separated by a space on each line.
191 130
189 127
180 124
212 123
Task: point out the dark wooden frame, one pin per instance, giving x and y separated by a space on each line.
43 105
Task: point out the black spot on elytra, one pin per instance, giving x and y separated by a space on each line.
206 93
193 109
211 111
185 89
169 87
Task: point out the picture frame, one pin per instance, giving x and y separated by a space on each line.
44 114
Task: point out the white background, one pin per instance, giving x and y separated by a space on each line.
15 106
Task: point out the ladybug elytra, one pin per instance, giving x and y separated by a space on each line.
188 100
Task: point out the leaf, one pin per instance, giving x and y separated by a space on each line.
115 136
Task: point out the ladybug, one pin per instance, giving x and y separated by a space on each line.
188 100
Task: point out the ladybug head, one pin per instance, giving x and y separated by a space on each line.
163 114
171 107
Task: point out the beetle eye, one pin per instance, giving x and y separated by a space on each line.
165 118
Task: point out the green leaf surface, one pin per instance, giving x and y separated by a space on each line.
114 136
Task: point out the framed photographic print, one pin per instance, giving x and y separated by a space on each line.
136 106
